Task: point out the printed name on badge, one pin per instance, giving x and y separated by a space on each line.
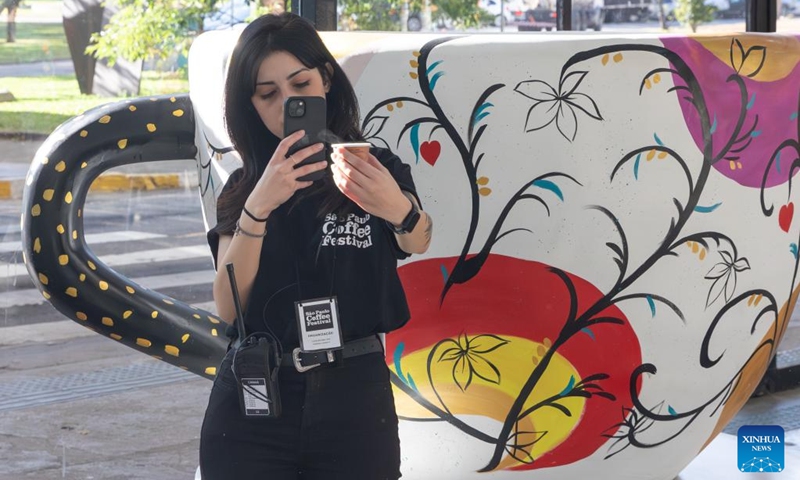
318 324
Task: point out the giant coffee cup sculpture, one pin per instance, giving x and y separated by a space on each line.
615 256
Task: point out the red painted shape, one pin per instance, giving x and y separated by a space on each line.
785 216
430 151
510 296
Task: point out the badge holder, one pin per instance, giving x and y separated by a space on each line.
256 362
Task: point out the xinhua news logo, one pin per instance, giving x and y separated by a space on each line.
761 449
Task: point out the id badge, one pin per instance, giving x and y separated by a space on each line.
318 325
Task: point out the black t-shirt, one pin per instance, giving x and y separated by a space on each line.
304 257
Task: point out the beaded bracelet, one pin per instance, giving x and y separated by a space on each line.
239 230
255 219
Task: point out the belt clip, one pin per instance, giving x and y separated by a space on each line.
300 368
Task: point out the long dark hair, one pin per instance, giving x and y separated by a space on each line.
289 33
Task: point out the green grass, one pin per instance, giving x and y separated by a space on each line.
36 42
43 103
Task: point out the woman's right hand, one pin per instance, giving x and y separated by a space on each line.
280 179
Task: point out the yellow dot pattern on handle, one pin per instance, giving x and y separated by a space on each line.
172 350
74 234
178 113
213 320
84 165
72 292
115 336
105 119
68 197
130 290
43 278
132 108
173 99
185 338
48 194
213 332
154 314
108 322
122 143
151 127
127 314
60 229
143 342
45 160
103 285
81 316
46 295
84 133
196 316
37 245
211 371
61 166
36 210
91 265
63 260
82 277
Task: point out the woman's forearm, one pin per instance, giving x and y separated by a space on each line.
418 240
245 254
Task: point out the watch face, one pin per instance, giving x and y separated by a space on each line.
411 219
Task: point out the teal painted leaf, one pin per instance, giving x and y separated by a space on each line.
415 140
445 274
398 354
652 305
672 411
435 79
636 167
481 113
700 209
793 249
714 125
778 162
432 66
751 102
548 185
589 332
658 140
411 383
755 133
570 385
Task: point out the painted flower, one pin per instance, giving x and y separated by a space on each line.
560 106
467 355
724 276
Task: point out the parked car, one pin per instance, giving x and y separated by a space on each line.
586 15
226 14
514 11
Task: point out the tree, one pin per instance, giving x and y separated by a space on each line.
662 19
143 29
693 13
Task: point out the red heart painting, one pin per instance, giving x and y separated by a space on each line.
785 216
430 151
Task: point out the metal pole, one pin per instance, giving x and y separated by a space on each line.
502 15
564 14
762 16
321 13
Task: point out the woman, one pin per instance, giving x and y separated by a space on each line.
291 241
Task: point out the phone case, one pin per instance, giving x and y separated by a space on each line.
314 122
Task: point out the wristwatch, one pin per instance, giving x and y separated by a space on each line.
408 223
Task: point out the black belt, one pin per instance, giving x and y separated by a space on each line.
304 361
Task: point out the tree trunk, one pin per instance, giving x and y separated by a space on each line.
11 26
661 17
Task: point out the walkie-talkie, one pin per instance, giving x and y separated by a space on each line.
256 362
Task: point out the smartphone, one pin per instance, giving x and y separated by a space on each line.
309 114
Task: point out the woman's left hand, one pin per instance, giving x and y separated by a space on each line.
369 184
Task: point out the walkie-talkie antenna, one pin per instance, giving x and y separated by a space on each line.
237 303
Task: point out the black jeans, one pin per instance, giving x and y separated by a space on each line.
338 422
